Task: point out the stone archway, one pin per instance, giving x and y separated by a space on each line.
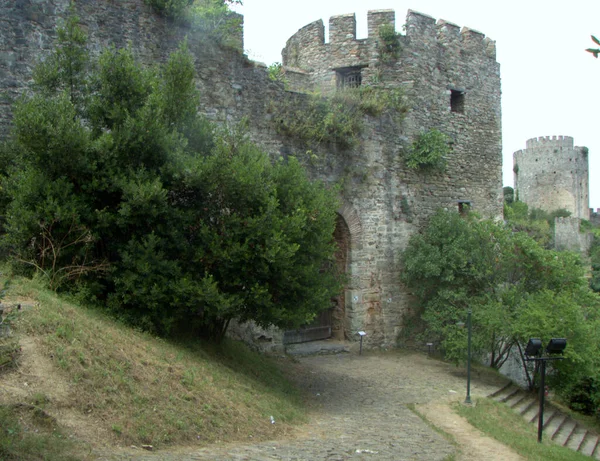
342 256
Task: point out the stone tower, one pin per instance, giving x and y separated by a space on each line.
551 173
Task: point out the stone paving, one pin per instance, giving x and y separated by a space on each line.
360 410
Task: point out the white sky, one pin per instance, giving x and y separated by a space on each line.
549 83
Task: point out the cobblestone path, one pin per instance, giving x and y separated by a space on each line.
360 410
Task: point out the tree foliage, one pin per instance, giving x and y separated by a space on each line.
212 17
429 151
515 288
594 51
127 194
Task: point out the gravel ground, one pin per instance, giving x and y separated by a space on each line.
361 408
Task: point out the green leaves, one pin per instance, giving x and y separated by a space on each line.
429 151
460 262
178 225
594 51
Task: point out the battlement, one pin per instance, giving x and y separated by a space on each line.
419 28
554 141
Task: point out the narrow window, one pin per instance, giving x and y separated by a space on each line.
457 101
464 206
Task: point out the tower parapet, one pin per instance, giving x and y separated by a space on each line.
308 50
551 173
378 18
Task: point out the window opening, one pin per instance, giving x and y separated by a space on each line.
457 101
350 77
464 206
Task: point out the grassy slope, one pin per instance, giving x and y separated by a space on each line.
510 429
145 390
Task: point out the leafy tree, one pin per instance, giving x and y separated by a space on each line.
213 17
509 195
515 288
126 192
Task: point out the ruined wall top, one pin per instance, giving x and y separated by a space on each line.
419 27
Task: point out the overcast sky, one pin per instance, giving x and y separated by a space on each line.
550 85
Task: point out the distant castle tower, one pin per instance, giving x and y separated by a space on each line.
551 174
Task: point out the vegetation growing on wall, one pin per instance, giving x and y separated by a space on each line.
337 119
276 73
429 151
213 17
389 43
537 223
516 289
130 196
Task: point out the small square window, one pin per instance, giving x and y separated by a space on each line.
464 206
457 101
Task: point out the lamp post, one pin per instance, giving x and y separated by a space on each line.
468 399
469 334
533 353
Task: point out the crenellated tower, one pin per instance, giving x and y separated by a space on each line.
551 173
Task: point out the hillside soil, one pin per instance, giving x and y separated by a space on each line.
384 406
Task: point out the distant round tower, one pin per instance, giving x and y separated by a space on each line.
551 174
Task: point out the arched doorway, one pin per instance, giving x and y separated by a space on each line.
330 323
338 311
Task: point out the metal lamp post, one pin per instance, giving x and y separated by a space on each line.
533 353
469 330
469 335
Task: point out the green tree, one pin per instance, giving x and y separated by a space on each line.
459 263
129 194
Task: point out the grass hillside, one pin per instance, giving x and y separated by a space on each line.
88 377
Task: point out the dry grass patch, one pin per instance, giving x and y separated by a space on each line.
145 390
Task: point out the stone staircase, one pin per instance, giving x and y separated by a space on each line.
558 427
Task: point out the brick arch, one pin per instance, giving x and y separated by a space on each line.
350 216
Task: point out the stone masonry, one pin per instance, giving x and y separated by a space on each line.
451 81
551 174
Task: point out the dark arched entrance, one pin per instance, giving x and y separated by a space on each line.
330 323
338 312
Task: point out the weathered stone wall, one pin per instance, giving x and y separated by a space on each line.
551 173
568 236
434 60
383 203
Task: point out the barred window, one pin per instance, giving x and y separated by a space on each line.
350 77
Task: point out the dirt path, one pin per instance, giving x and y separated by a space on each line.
361 409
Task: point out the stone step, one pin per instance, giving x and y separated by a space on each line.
553 426
502 394
588 446
532 412
526 404
516 398
558 426
576 438
564 431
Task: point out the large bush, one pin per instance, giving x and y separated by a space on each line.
114 185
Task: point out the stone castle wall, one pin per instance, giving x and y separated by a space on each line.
383 203
568 236
551 173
